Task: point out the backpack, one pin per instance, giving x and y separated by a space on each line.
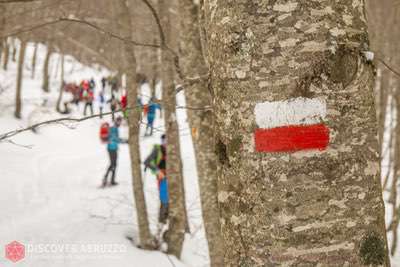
104 132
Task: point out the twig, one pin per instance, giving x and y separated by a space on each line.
389 67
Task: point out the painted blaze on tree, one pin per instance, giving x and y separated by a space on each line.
316 199
293 125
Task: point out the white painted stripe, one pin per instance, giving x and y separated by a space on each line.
296 111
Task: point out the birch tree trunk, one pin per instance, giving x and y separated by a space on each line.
290 76
34 59
20 77
202 124
134 123
46 73
177 222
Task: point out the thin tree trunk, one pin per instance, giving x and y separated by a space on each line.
154 74
20 77
2 26
6 54
202 124
277 72
46 72
134 126
177 222
60 95
34 59
14 51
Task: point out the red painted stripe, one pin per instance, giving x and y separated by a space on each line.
292 138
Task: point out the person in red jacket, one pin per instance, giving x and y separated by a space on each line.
124 104
88 97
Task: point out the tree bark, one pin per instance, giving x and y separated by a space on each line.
60 95
46 72
134 126
177 214
202 124
20 77
34 59
307 208
6 54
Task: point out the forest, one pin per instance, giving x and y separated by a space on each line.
199 133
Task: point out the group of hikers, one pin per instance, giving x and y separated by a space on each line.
155 162
85 92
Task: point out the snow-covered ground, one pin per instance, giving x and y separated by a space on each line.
50 197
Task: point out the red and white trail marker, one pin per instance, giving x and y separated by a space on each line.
292 125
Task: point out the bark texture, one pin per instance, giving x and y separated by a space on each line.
134 122
20 75
177 215
201 121
321 208
46 72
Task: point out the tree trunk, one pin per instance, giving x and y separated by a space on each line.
202 124
6 54
60 95
34 59
20 77
14 50
177 222
290 77
134 126
154 74
46 73
2 26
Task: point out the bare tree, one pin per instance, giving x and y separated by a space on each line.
202 123
177 214
146 240
34 59
62 83
46 66
21 60
6 54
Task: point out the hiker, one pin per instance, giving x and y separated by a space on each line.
150 110
124 104
102 102
88 97
113 140
103 83
113 105
92 85
156 162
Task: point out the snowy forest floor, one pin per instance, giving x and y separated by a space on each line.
50 191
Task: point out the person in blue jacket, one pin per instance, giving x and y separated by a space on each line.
112 147
156 162
151 115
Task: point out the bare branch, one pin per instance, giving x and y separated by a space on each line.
16 1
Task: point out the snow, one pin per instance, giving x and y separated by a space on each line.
50 195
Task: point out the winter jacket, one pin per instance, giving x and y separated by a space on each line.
152 108
113 139
157 159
